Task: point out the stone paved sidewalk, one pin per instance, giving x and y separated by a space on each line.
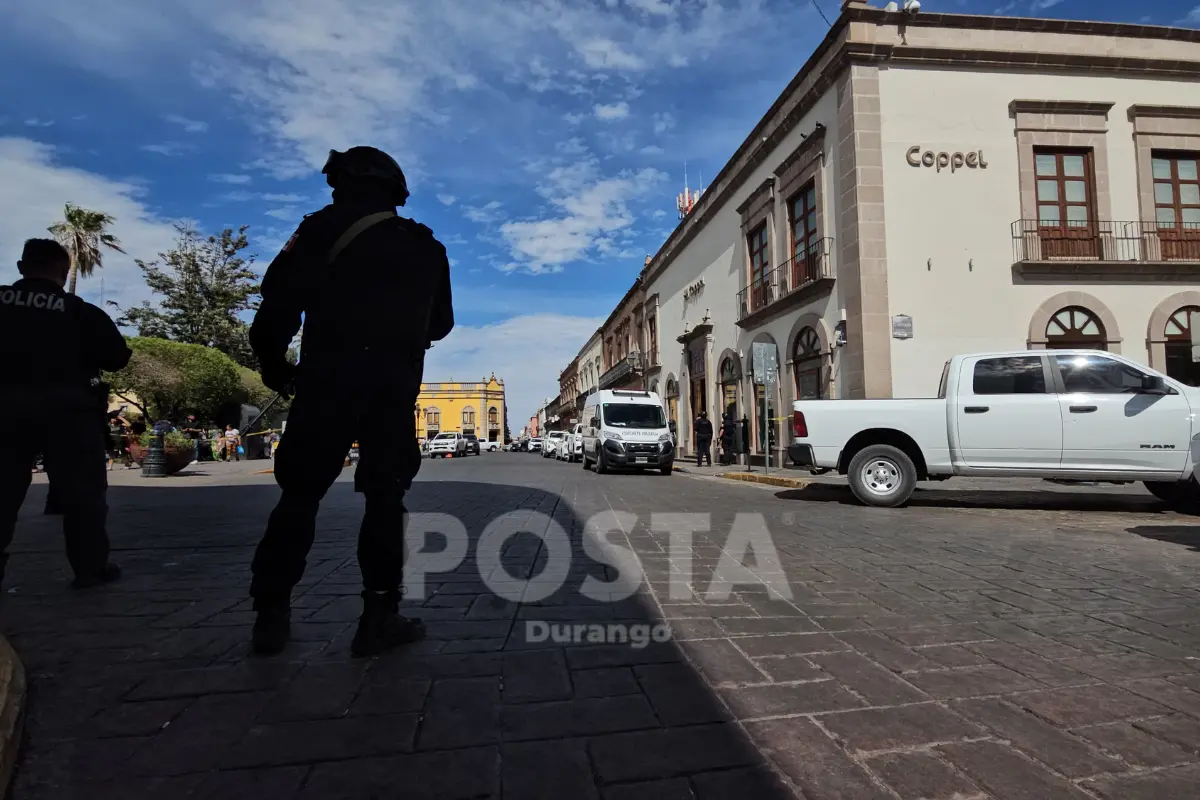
1002 648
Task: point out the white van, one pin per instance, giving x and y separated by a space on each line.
626 429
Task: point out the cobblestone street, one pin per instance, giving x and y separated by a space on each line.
1019 644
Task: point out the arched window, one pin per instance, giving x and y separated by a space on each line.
493 416
1077 328
806 359
468 417
433 418
1179 345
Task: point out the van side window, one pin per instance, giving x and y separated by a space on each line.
1013 375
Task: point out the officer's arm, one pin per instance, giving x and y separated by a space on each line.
278 317
110 350
441 321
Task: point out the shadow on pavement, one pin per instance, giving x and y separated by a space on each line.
1048 500
1186 535
145 688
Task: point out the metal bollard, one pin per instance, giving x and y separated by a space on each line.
156 458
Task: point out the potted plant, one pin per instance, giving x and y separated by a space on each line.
178 448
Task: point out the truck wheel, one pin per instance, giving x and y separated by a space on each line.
1175 494
882 475
601 462
667 470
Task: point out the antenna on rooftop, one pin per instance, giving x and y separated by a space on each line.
686 200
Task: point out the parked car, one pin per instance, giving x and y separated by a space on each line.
1054 414
535 445
571 450
626 429
490 447
448 444
550 444
472 443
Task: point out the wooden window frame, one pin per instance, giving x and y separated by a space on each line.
758 244
804 268
1177 242
1063 240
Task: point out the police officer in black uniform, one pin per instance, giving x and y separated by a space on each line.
53 346
374 289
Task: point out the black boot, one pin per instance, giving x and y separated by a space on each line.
381 627
272 626
110 573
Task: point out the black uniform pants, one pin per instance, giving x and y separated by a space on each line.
321 427
703 450
72 445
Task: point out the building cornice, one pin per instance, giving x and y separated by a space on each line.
1058 107
763 189
812 147
1169 112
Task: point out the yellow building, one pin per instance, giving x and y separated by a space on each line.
476 408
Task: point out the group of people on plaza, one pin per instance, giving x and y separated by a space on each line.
354 253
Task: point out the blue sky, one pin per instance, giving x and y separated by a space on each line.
544 140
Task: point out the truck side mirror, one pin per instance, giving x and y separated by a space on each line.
1152 384
595 423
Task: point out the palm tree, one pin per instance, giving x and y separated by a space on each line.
84 233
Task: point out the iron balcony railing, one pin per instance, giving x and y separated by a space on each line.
805 269
1106 241
622 369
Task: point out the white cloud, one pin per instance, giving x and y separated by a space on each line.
573 119
34 122
447 199
35 188
188 125
656 7
663 122
485 214
607 54
169 148
1193 17
652 150
519 351
283 198
611 111
227 178
588 209
1043 5
286 214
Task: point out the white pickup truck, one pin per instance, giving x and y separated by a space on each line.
1079 415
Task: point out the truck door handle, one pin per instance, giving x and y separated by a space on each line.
975 409
1082 409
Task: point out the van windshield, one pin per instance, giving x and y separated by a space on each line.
634 415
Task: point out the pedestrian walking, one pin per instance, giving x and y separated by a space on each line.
53 346
374 292
704 437
728 437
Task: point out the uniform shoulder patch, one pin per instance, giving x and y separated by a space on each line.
290 242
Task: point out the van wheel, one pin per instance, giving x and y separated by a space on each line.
584 460
667 470
882 475
601 462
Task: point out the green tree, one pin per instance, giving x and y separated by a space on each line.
85 235
169 380
205 284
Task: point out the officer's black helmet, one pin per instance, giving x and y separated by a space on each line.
366 164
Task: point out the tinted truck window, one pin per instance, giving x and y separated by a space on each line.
1013 375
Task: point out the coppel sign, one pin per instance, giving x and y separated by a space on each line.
955 161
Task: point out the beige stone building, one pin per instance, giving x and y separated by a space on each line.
934 184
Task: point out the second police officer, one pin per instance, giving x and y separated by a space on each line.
53 346
374 292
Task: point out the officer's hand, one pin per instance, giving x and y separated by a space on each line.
279 378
